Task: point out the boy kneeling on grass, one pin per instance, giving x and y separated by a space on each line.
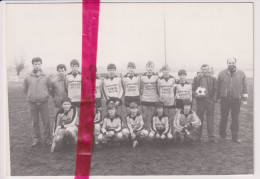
186 123
160 125
111 130
65 126
135 125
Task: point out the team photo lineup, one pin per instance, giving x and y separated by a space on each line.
152 108
169 92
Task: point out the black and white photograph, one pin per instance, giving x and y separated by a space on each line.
174 88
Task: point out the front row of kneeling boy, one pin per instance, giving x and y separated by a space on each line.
110 130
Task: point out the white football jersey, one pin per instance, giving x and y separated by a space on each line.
166 90
135 123
149 89
111 124
183 91
160 123
113 87
131 85
73 86
98 88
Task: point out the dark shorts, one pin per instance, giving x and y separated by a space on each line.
98 103
169 107
77 104
130 99
114 100
179 104
145 103
161 131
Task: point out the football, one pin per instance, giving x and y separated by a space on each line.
201 91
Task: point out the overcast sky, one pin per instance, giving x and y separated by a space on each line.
196 33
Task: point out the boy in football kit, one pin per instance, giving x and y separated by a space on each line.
73 83
166 85
131 85
149 93
135 125
111 130
186 123
160 125
66 125
112 87
183 90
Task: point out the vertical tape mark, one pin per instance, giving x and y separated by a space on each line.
90 18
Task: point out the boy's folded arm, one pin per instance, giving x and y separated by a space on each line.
167 127
103 128
176 123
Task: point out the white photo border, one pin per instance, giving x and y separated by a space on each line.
4 127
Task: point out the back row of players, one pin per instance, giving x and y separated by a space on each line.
165 102
158 96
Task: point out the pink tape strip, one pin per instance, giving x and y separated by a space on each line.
90 17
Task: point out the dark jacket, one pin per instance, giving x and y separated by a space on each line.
58 90
235 84
212 86
36 88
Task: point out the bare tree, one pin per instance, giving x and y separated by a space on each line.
19 66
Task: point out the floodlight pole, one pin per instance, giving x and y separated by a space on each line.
165 62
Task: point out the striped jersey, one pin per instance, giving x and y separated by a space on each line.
66 119
149 89
98 88
183 91
112 87
131 85
166 90
182 119
111 124
134 123
160 123
73 86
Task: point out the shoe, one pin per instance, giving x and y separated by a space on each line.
35 143
237 141
135 143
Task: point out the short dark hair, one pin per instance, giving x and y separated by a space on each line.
65 99
204 65
232 58
74 62
149 63
111 66
131 64
182 72
36 59
60 66
133 105
165 67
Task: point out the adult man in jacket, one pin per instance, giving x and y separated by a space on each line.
206 103
232 87
36 86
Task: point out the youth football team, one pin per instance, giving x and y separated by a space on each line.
139 108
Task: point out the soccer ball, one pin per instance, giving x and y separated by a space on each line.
201 91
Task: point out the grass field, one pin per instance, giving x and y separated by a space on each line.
198 159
